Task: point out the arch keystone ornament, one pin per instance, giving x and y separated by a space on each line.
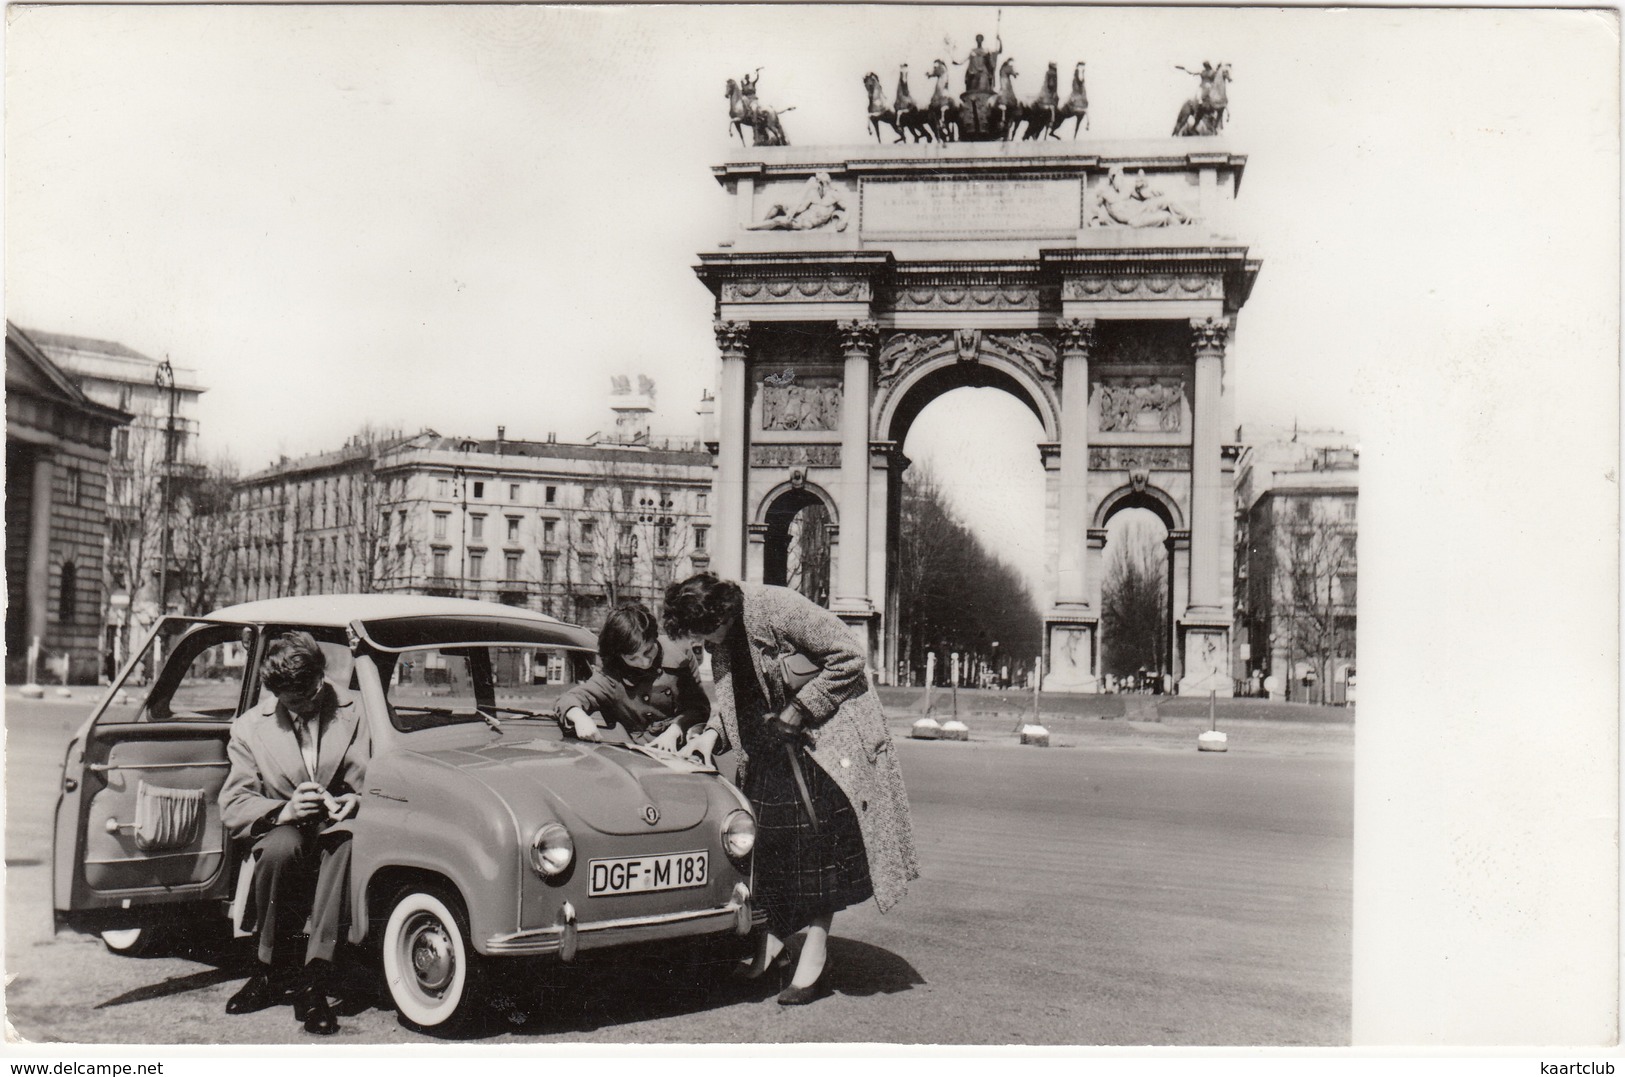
963 265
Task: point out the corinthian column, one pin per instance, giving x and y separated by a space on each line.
1208 336
1077 338
733 339
852 580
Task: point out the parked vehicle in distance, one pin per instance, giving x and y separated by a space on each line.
484 836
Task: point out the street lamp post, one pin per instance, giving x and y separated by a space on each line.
164 379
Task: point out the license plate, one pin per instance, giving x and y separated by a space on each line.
637 874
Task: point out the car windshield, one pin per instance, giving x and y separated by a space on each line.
429 687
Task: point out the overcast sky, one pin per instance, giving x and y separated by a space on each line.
466 217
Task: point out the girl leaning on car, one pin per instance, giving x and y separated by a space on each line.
794 702
644 683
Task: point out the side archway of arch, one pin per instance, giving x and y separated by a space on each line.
1150 497
816 492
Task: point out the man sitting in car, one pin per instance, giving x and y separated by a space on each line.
296 768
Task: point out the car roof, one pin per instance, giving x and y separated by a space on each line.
397 618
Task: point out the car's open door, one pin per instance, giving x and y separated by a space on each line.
138 815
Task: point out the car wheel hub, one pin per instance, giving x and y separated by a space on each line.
434 960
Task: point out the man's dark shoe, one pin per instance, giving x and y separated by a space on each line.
312 1008
257 994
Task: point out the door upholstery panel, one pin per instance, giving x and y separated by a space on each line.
185 842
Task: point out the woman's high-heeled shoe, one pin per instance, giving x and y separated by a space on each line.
800 996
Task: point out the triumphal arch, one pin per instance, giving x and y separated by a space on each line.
1099 286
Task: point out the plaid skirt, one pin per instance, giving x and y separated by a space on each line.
801 875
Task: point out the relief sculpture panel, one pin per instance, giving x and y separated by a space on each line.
1140 405
795 456
800 406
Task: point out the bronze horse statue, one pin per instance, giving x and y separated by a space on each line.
1007 110
743 111
910 116
1075 107
1043 112
879 111
943 110
1205 113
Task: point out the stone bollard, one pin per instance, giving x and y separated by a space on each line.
1212 741
123 698
1036 735
65 692
954 729
31 691
926 729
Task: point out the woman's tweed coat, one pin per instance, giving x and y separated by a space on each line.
845 728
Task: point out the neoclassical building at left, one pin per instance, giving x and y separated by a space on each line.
58 443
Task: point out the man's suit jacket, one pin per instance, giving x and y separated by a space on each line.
266 765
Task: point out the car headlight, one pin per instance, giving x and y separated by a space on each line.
739 834
552 850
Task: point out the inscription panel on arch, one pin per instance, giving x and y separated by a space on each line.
946 206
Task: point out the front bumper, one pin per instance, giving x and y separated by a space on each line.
567 936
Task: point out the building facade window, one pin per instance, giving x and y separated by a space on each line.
699 502
67 600
442 487
479 489
513 529
476 527
588 529
550 532
511 566
476 565
550 495
699 539
549 569
513 491
440 562
440 521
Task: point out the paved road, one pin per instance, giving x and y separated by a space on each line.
1109 893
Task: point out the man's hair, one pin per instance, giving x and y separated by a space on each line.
629 627
293 663
701 604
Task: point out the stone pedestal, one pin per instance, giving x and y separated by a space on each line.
863 622
1069 641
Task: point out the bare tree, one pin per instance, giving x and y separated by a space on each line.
1313 566
205 535
1134 597
953 593
135 524
629 541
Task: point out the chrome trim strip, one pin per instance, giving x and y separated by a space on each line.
154 856
543 940
103 767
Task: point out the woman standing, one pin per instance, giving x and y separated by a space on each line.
645 683
816 761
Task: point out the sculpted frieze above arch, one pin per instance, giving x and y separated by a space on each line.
1150 286
933 295
806 290
901 351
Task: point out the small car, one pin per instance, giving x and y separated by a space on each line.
485 838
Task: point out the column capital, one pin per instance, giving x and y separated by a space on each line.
733 337
858 337
1208 336
1077 337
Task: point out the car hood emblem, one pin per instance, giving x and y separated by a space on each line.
651 815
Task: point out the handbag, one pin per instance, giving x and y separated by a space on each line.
796 669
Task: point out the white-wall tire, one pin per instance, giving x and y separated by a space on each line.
429 965
131 941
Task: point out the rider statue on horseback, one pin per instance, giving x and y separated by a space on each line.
1205 113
